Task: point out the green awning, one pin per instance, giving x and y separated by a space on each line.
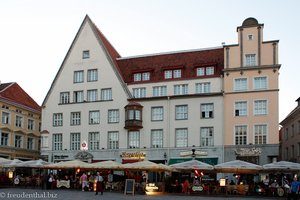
211 161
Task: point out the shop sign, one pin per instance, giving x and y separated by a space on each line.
248 151
84 146
197 188
151 187
133 155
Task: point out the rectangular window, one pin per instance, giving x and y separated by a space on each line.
200 71
202 88
75 118
5 118
92 75
85 54
240 108
181 112
172 74
45 141
260 107
57 142
78 97
133 139
4 139
157 138
181 137
139 92
159 91
57 119
113 116
94 140
260 83
106 94
19 121
113 140
240 135
30 143
250 60
157 113
206 136
75 141
78 76
64 98
205 71
92 95
207 110
260 134
240 84
181 89
144 76
18 141
30 124
210 71
94 117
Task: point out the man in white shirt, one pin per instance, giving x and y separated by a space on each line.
99 183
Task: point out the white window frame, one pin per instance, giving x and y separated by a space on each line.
75 141
75 118
78 76
113 116
206 136
94 117
250 59
260 83
57 119
133 139
106 94
157 113
94 140
5 117
181 89
157 138
64 98
260 107
181 112
181 137
57 141
240 84
260 134
202 88
159 91
139 92
241 135
92 75
240 108
78 96
92 95
207 110
113 140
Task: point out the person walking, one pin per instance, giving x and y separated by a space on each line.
99 183
294 189
83 180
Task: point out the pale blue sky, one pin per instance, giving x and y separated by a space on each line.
36 34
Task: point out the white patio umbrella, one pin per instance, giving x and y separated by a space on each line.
146 165
11 163
32 163
282 166
109 164
68 165
237 166
192 165
4 160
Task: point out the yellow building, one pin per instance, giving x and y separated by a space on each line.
20 123
251 96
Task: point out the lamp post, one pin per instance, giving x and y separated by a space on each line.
193 152
165 157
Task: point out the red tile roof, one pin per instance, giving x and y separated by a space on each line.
13 93
156 64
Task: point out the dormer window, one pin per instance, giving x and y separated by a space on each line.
144 76
205 71
172 74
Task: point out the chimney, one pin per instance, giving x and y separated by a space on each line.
298 100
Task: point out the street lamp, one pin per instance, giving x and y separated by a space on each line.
165 157
193 152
